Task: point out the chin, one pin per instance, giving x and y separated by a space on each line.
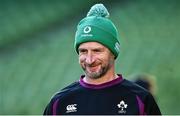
94 75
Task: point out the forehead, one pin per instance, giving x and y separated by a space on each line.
91 45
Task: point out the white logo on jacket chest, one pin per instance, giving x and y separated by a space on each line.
122 106
71 108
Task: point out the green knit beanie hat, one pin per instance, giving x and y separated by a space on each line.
96 27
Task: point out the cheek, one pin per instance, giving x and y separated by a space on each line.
105 59
81 59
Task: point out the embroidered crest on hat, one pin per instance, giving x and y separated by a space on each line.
87 29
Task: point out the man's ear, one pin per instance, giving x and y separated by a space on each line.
113 56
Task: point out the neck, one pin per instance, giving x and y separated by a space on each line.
109 76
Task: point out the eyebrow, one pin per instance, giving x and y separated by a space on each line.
81 49
92 48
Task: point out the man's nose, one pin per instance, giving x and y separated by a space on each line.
90 59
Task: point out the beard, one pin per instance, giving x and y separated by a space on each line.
103 69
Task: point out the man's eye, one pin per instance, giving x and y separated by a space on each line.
97 50
82 51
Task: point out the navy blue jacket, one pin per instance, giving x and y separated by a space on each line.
117 97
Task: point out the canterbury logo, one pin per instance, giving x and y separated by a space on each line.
71 108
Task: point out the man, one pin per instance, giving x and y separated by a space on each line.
100 91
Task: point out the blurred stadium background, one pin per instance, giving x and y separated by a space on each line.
37 57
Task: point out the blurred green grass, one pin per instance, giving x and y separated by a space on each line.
37 57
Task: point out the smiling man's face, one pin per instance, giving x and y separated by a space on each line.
95 59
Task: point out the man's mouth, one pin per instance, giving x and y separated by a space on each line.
92 68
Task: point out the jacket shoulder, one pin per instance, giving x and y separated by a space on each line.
50 108
68 89
135 89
